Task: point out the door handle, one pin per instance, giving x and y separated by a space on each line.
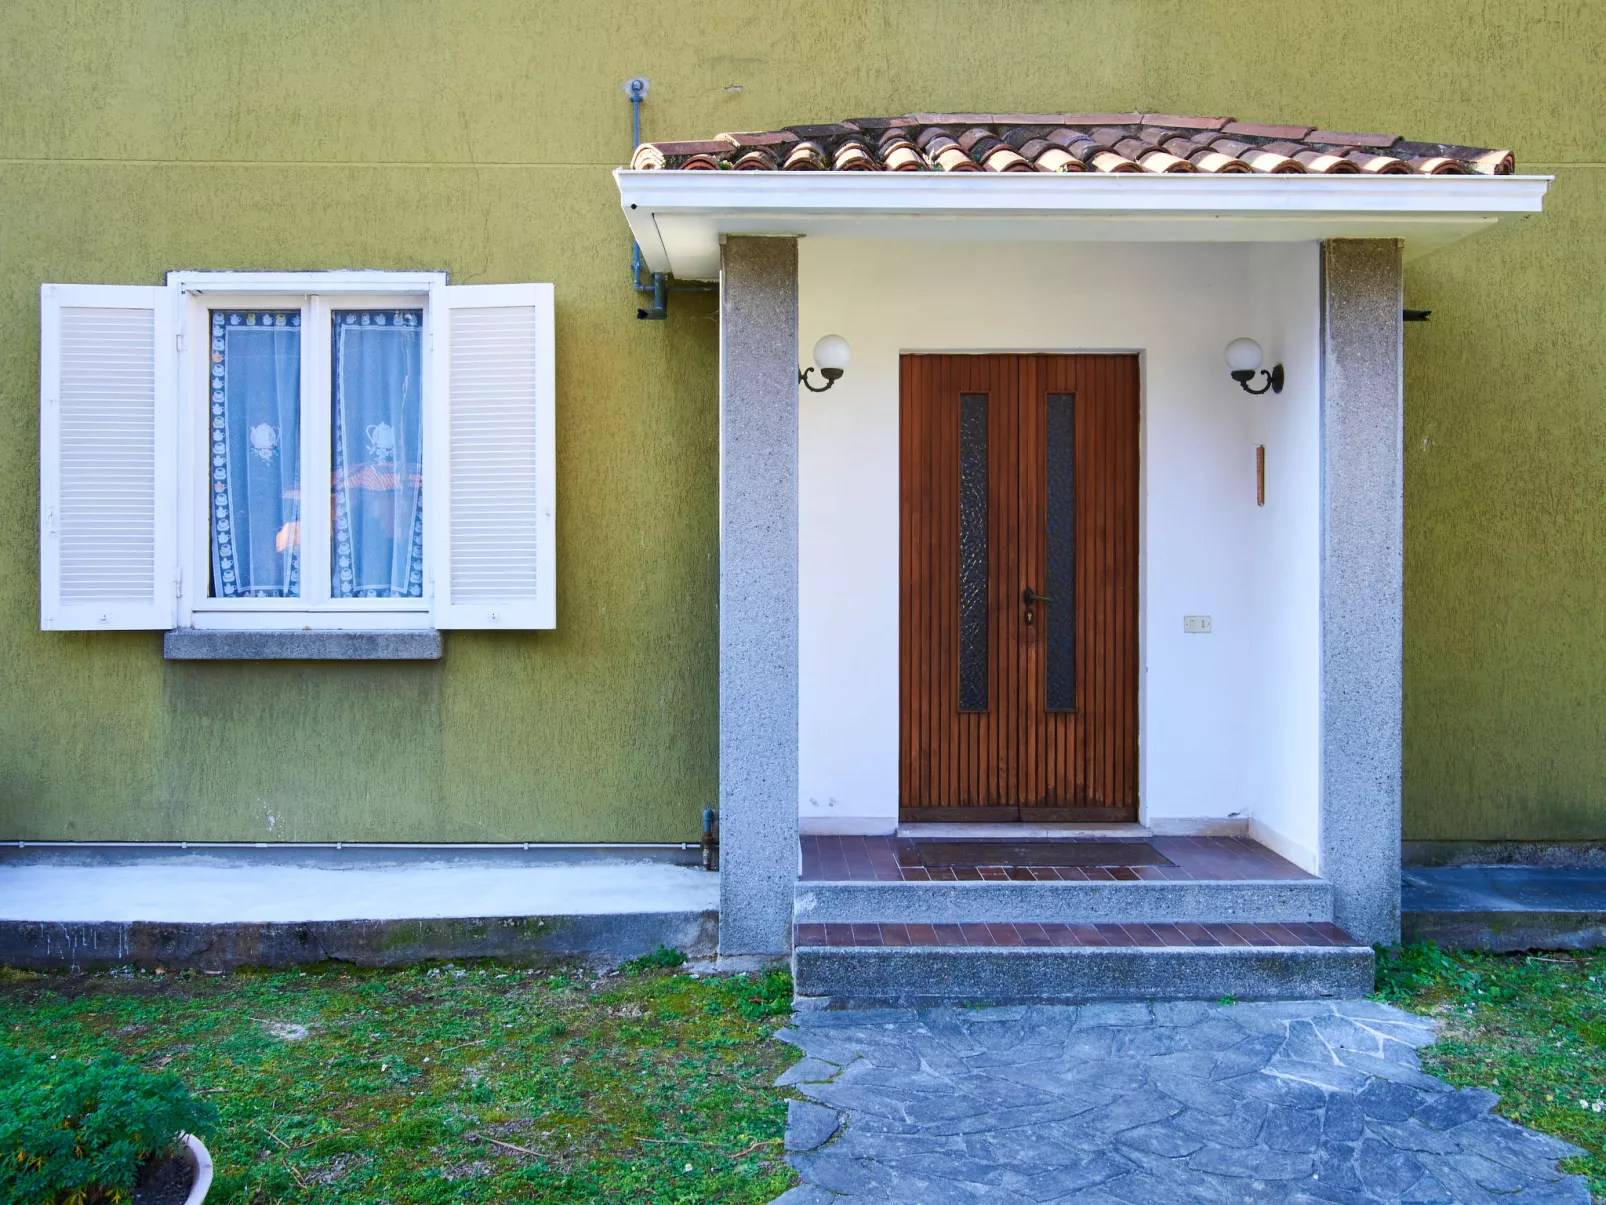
1031 597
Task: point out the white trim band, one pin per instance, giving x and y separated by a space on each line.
679 217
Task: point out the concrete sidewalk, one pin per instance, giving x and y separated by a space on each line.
221 908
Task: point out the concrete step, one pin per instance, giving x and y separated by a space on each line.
902 966
1201 901
1504 908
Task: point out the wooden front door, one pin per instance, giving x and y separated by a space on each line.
1019 587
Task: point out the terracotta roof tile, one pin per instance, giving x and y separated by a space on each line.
712 146
1069 142
1101 119
1172 121
1385 165
1264 131
882 123
1334 138
1259 158
1494 163
1437 165
806 156
1208 160
774 138
853 156
831 130
1325 163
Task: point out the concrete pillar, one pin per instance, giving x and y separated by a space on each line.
1362 582
758 637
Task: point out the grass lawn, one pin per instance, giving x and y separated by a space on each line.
467 1083
1530 1027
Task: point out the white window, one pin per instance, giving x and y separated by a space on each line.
354 451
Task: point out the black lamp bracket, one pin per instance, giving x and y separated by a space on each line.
1272 384
831 376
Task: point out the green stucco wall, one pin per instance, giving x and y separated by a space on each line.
477 138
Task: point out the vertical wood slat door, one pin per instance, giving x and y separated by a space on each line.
1018 472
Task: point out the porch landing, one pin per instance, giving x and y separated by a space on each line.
895 859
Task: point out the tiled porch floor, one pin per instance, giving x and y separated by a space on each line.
894 859
1019 934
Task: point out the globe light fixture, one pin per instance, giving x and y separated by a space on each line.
831 356
1243 361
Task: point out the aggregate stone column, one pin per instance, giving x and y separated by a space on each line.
758 610
1362 582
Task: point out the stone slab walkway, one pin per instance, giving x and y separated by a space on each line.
1162 1104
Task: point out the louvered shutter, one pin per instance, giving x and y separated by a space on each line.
108 473
492 465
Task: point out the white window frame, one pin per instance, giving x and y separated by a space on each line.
315 295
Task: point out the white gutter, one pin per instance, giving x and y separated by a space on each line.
679 217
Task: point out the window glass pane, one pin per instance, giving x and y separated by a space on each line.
1060 615
378 546
973 552
256 453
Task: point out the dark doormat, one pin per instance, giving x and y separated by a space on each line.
1040 853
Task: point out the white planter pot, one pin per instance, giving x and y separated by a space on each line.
201 1161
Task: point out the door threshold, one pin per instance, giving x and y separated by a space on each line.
1025 830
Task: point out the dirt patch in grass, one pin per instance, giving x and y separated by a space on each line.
451 1083
1531 1027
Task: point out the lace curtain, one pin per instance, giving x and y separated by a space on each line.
256 454
378 545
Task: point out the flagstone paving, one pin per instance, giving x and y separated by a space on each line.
1115 1104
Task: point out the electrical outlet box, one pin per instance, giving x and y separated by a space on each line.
1196 623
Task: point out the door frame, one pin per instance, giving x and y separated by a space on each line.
1066 815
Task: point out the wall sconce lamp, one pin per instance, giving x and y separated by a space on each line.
1243 359
831 355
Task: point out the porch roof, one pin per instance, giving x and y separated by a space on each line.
1129 177
1114 143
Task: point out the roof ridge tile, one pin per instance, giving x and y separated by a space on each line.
1101 119
769 138
1260 130
1176 122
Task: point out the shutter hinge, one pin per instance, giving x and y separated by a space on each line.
178 340
178 586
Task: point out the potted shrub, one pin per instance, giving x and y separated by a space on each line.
83 1132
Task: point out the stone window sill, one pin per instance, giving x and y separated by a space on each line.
195 644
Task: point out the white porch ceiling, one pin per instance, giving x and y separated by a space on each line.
679 217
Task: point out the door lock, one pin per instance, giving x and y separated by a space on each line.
1031 598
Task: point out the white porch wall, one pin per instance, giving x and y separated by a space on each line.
1284 770
1228 721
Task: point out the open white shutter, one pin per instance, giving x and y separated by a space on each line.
491 483
108 472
